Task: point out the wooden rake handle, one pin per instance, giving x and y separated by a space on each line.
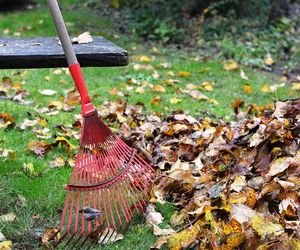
74 67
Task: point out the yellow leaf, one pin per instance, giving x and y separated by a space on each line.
295 86
29 169
184 238
191 86
265 88
268 60
140 90
232 227
175 100
247 89
169 81
207 86
6 245
213 101
237 198
156 100
10 217
296 244
231 65
145 59
158 88
64 140
170 73
120 117
42 122
265 228
184 73
211 220
55 104
233 241
154 50
251 197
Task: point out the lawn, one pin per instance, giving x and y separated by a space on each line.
36 199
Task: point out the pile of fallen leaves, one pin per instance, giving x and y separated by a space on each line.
234 184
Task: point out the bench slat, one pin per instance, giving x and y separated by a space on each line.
45 52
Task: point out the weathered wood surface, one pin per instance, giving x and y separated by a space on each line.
45 52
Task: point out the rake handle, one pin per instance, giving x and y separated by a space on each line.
73 64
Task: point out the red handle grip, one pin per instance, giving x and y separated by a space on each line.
78 78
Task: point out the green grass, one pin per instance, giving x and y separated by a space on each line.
45 194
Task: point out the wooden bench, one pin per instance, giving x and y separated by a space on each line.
45 52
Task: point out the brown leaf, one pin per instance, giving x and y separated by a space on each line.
38 147
6 120
50 235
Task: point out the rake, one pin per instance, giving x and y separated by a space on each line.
110 182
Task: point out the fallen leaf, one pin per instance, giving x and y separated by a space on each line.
184 73
231 65
27 124
51 234
29 170
2 237
265 88
145 59
110 236
196 94
156 100
175 100
242 213
6 245
158 88
265 228
7 154
6 120
178 218
159 231
207 86
295 86
57 162
153 217
160 242
268 60
47 92
279 165
243 75
184 238
215 190
83 38
10 217
247 89
238 184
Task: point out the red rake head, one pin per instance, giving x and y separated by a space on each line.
109 182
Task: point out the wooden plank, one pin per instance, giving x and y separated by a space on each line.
45 52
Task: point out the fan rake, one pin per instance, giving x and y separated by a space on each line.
109 181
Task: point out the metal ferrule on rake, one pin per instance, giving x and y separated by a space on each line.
109 181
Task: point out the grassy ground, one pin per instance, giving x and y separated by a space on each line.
44 195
